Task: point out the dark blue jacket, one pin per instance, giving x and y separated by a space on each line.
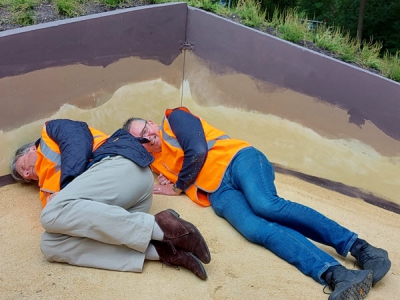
76 143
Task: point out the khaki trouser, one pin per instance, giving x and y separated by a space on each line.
100 219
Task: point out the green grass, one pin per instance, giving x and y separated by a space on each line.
391 66
369 55
250 12
21 11
68 8
291 26
112 3
288 25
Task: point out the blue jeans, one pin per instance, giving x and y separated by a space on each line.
247 199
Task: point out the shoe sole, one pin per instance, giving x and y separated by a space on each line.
357 291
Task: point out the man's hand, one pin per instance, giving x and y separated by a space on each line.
163 180
50 197
164 189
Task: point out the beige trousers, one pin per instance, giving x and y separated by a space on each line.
101 218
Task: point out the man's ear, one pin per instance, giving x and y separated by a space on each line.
33 148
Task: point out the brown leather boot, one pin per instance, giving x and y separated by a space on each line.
176 257
183 234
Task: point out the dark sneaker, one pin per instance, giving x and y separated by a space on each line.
349 284
371 258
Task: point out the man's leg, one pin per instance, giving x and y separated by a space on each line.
100 220
94 205
289 245
253 174
85 252
259 189
286 243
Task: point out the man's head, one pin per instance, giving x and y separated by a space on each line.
23 163
149 130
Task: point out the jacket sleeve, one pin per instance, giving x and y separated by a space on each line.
190 135
75 142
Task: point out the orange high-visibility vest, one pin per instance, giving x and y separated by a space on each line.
221 150
48 164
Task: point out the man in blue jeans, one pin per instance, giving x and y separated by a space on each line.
238 181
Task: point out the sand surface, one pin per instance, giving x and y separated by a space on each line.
238 269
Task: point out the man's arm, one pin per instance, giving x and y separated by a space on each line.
190 135
76 143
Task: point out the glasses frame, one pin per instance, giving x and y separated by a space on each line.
141 139
144 128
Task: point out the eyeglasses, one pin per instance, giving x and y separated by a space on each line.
144 131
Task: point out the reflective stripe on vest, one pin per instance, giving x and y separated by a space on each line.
50 155
49 161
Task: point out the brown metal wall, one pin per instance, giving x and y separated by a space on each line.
228 46
148 33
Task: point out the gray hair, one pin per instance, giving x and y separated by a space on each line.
21 151
128 123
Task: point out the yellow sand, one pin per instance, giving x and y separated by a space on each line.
238 269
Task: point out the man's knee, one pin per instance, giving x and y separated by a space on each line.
52 246
48 218
47 247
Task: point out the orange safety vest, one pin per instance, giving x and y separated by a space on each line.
221 150
48 164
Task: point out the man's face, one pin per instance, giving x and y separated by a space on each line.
25 165
148 130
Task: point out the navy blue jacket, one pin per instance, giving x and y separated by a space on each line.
75 141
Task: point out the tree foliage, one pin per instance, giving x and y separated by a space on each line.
381 19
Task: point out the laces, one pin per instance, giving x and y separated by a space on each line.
175 252
170 265
325 288
172 246
331 283
363 256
